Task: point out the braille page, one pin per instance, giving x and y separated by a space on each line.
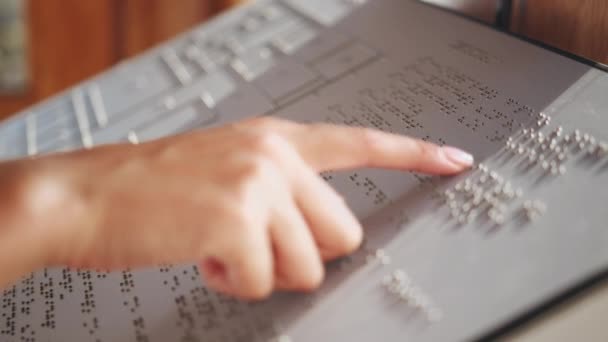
444 258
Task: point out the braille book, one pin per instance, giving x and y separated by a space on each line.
444 259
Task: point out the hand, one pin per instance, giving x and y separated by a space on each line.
244 200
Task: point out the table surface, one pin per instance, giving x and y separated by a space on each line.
582 318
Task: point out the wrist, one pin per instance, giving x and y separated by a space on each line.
43 212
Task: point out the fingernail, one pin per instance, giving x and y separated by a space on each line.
458 156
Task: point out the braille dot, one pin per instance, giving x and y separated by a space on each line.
586 137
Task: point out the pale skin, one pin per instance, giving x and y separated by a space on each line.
244 201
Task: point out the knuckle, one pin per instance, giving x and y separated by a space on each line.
370 140
240 215
424 155
250 176
247 181
264 143
254 167
351 240
424 150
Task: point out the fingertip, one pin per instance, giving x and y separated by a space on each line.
459 159
339 234
231 281
352 239
255 293
250 285
313 280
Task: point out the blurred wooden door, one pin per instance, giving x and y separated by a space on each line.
70 40
577 26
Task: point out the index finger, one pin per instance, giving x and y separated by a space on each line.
332 147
